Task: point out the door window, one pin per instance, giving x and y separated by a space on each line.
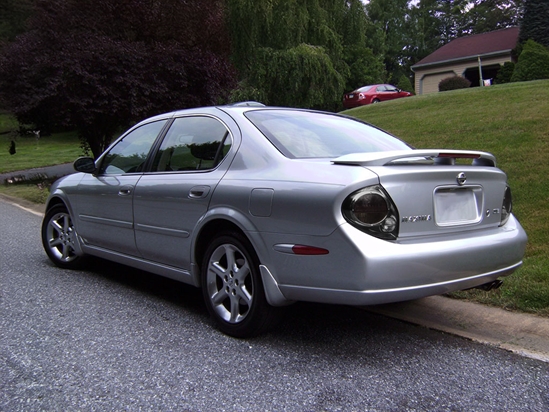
193 143
130 153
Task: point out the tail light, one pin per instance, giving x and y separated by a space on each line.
372 211
360 96
507 206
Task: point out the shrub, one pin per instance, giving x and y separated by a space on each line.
453 83
533 63
405 84
505 73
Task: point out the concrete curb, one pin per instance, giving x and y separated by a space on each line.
524 334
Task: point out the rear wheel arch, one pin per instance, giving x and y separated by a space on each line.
207 233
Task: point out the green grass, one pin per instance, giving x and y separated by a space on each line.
512 122
31 152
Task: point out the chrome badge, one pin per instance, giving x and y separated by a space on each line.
461 179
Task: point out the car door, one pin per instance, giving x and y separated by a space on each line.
105 199
391 92
169 201
381 93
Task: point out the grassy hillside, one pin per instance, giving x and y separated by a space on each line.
512 122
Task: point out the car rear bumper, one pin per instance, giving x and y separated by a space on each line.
379 296
362 270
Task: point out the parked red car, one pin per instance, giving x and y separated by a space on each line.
372 94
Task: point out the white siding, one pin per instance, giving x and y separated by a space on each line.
427 79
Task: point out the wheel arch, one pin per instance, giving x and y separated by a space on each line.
221 220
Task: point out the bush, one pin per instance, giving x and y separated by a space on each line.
533 63
405 84
505 73
453 83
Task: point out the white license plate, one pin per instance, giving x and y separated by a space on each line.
458 206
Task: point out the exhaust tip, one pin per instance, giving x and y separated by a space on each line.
495 284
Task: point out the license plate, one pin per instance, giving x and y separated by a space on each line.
458 206
351 96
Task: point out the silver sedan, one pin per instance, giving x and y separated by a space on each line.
261 207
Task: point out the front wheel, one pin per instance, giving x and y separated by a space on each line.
59 238
232 287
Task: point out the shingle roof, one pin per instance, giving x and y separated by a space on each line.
492 42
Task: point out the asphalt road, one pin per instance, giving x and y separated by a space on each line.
113 338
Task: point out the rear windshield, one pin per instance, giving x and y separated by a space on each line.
364 89
302 134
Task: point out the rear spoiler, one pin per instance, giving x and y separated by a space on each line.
428 156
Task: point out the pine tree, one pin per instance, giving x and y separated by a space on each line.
534 23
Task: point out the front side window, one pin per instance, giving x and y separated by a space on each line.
302 134
193 143
130 153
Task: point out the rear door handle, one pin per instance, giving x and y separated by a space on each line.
199 192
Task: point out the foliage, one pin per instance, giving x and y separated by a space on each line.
309 80
405 84
13 15
490 15
100 65
521 145
505 73
364 67
302 53
533 63
534 23
453 83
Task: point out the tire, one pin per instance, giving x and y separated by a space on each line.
375 101
232 287
59 238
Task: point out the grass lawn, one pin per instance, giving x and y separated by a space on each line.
31 152
512 122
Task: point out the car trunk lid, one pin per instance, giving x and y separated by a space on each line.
436 191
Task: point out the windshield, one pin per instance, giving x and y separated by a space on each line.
302 134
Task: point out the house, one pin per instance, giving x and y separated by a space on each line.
463 57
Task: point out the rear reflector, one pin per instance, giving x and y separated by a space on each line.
300 249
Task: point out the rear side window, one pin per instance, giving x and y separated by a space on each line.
302 134
193 143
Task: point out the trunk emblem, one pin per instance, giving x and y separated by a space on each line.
461 179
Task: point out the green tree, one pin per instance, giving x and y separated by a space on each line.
490 15
307 48
13 15
534 24
532 64
389 19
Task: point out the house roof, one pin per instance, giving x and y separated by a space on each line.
463 48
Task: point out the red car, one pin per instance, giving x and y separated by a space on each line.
372 94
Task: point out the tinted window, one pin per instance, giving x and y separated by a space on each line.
193 143
130 153
300 134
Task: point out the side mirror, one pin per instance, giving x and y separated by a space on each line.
85 165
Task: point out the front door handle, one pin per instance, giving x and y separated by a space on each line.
125 190
199 192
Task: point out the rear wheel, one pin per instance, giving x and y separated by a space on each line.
232 287
375 101
59 238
